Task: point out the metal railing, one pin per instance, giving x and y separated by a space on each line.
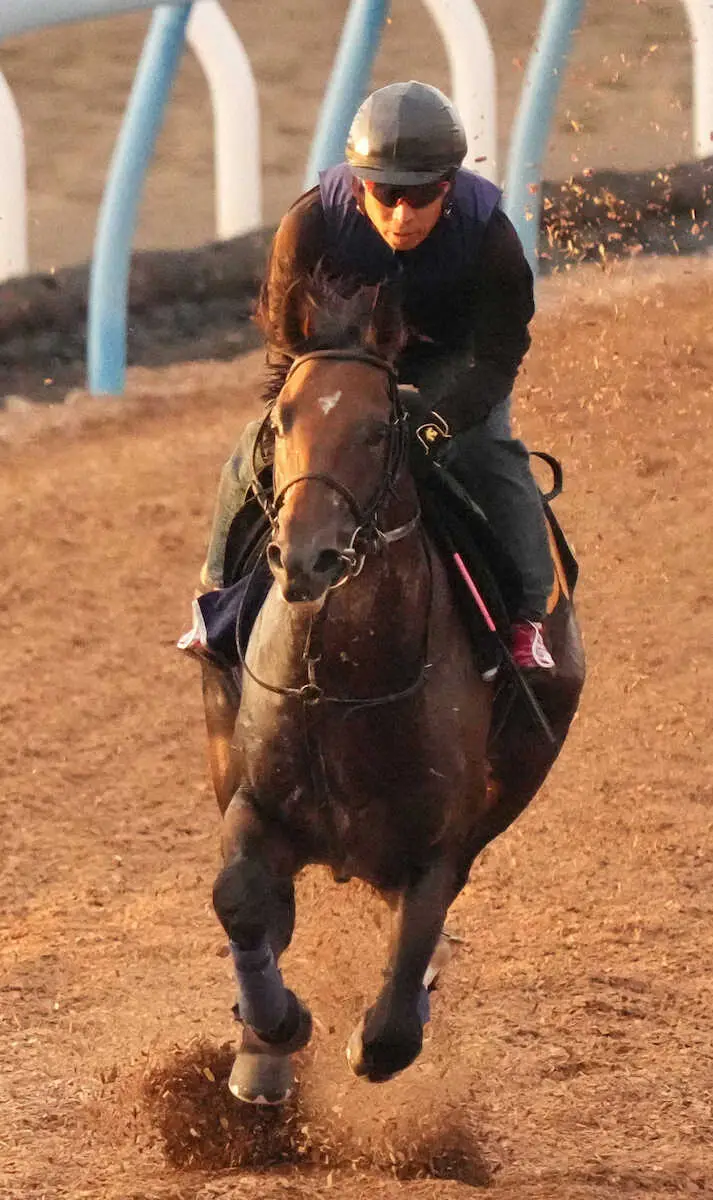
543 79
109 278
228 73
533 121
238 176
237 158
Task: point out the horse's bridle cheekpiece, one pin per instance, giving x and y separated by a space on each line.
368 535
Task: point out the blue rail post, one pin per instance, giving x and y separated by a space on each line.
20 16
109 280
347 85
533 122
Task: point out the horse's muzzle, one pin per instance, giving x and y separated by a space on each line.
305 576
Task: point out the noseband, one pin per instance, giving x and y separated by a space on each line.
367 535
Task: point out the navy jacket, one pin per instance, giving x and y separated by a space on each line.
467 290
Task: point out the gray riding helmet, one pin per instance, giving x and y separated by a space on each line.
406 133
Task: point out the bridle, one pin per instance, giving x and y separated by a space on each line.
368 535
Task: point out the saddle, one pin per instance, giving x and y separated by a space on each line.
455 525
458 527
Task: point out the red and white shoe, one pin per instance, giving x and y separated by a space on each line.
529 651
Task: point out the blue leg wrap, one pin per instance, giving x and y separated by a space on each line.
262 996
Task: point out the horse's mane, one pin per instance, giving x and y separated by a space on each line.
318 312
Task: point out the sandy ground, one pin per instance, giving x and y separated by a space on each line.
625 103
570 1055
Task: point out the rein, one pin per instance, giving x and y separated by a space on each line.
311 693
367 536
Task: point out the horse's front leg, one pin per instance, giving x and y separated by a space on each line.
253 897
391 1035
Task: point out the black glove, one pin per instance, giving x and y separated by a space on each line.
433 433
429 437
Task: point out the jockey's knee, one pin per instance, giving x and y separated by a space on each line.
240 464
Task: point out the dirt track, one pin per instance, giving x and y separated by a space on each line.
571 1054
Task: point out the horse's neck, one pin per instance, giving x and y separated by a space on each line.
375 627
369 637
389 593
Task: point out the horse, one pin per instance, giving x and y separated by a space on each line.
364 737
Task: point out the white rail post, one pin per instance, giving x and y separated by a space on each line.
13 194
236 119
473 84
700 19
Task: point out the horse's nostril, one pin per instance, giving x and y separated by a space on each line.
274 556
327 561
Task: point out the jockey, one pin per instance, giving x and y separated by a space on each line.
402 206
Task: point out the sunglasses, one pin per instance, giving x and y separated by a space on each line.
416 195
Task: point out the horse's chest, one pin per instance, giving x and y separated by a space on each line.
354 789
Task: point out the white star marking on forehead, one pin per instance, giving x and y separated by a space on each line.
327 403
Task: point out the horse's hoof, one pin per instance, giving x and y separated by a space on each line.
262 1072
266 1079
363 1065
357 1058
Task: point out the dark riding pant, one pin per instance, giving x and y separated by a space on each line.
494 468
487 461
235 479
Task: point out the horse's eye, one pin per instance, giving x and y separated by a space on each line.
282 420
375 435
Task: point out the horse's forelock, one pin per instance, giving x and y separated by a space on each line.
338 314
332 315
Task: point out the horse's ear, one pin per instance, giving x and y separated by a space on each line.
286 313
386 333
298 319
